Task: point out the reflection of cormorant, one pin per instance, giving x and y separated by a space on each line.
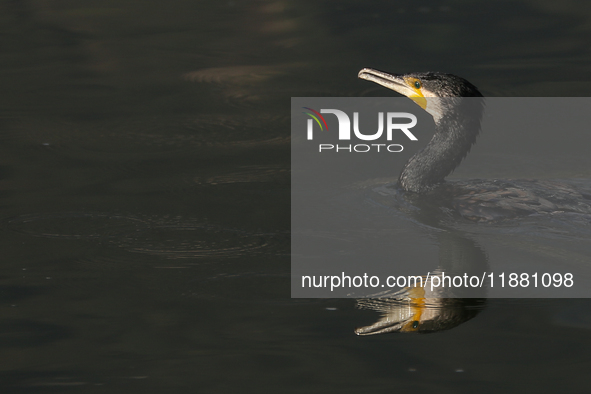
424 308
413 316
457 106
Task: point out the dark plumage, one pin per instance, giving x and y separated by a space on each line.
457 107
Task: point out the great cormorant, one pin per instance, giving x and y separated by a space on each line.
457 107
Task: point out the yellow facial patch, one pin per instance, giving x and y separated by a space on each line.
417 97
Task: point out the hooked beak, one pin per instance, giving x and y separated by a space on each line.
391 81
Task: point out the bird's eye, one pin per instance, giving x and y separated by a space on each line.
417 84
415 324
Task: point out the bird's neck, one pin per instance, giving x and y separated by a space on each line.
454 136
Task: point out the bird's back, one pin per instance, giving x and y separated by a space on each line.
493 200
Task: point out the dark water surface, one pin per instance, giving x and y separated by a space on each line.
144 194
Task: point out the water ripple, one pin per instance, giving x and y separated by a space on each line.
168 237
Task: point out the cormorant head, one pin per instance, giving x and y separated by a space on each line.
425 88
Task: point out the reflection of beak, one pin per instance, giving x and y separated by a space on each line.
391 81
418 315
398 316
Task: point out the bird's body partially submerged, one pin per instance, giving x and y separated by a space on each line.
457 107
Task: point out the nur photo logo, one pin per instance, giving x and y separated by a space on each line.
396 123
